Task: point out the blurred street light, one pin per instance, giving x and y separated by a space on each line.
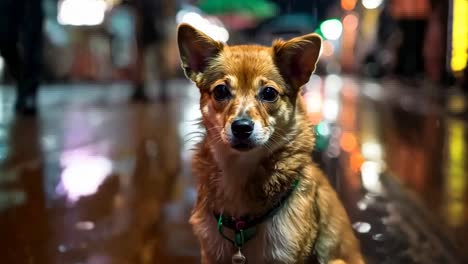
372 151
323 128
348 4
211 26
371 4
253 8
327 48
331 29
350 22
370 176
81 12
459 43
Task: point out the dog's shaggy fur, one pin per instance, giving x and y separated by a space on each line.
313 222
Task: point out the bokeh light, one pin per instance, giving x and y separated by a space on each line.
370 175
323 128
212 27
82 175
348 4
348 141
331 29
327 48
459 35
371 4
350 22
81 12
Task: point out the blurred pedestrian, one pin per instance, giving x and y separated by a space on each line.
411 17
21 47
436 42
380 60
155 23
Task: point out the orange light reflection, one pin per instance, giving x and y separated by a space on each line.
348 4
348 141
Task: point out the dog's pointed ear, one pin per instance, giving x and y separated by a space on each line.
196 49
297 58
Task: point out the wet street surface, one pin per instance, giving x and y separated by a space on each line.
96 179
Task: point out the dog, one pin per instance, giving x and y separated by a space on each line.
260 198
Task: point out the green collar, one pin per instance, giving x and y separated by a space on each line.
245 227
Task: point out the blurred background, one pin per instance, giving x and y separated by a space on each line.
97 40
97 123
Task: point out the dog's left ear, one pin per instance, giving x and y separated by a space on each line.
297 58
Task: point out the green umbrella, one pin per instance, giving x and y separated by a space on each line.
254 8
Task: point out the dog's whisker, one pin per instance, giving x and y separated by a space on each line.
197 120
268 147
281 137
218 141
192 138
213 128
274 141
215 139
195 132
280 130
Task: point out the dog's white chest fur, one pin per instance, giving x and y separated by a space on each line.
272 243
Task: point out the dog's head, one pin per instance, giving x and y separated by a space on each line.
248 93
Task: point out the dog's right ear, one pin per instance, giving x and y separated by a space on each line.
196 49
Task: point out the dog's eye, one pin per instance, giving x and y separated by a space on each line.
269 94
221 92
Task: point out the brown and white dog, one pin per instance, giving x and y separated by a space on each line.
260 198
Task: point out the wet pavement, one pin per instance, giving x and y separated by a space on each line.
96 179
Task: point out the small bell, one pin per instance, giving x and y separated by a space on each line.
238 258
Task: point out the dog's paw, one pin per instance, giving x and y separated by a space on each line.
337 261
340 261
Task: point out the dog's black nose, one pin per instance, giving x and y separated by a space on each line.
242 128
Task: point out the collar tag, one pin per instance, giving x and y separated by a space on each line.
238 258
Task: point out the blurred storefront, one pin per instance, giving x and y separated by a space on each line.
94 40
101 36
91 40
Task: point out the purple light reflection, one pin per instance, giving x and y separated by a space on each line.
82 175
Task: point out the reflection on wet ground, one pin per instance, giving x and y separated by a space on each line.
96 179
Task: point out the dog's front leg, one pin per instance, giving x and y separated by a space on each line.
206 258
336 243
337 261
340 261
